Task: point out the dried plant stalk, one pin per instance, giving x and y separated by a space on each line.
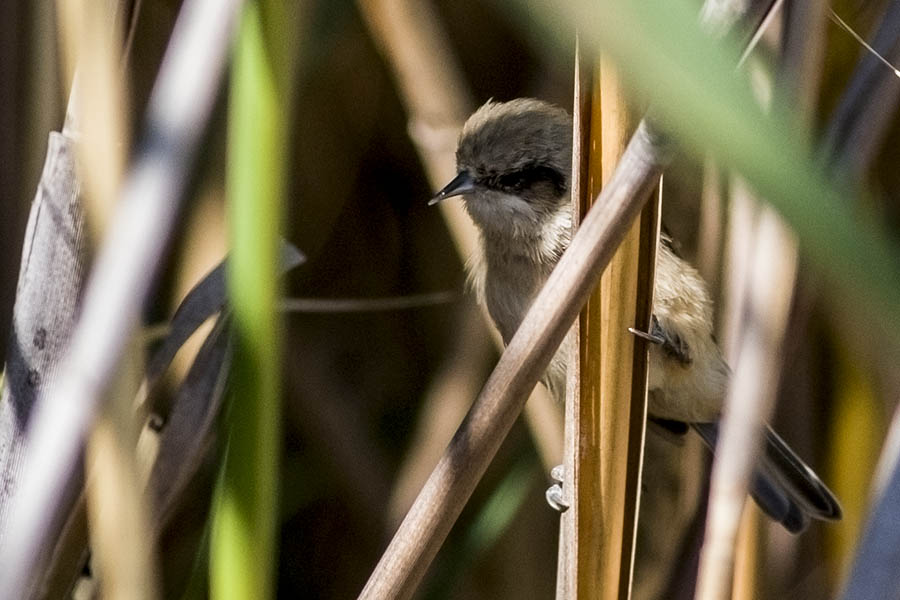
116 508
626 294
566 569
749 401
122 546
604 450
90 33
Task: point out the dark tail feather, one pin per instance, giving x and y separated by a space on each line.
796 476
783 486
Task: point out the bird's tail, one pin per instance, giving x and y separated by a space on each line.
783 486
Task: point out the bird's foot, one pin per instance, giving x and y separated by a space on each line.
555 492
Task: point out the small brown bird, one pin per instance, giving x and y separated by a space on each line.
514 167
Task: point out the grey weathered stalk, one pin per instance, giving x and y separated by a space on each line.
50 280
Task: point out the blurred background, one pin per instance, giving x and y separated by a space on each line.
373 393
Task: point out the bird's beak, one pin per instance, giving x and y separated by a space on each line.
461 184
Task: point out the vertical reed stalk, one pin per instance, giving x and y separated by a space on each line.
606 404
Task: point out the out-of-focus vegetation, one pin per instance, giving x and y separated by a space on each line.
312 140
245 519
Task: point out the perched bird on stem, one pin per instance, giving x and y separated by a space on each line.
514 164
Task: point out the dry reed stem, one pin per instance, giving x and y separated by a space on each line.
747 555
749 402
710 230
117 511
90 32
742 225
567 557
604 450
626 299
122 544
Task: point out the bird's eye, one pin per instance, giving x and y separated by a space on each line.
527 177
